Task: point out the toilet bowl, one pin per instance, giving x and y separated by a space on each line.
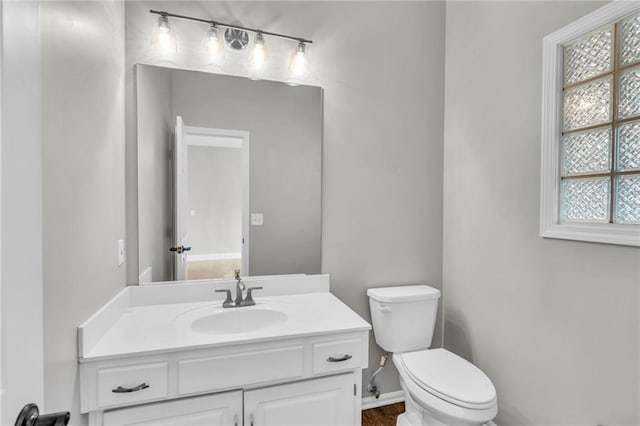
445 389
440 387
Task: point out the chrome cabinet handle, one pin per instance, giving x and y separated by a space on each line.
235 420
120 389
251 420
344 358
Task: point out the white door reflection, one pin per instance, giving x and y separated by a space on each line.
212 194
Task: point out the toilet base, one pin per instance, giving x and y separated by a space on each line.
415 415
409 419
414 419
402 420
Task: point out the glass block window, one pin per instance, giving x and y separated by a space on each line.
600 142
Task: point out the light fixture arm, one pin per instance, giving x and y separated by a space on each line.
222 24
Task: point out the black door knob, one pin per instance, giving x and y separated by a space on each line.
179 249
30 416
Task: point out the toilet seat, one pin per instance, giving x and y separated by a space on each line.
449 377
443 411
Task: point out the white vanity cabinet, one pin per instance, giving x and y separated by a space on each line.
326 401
224 409
297 382
143 361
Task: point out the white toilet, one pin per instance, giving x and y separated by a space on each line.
440 387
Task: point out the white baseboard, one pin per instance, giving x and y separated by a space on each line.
385 399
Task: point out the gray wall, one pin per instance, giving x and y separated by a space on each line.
155 125
383 124
382 215
21 209
215 195
83 180
553 323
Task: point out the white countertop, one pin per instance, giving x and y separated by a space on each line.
162 328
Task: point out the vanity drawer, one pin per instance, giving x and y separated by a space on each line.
238 369
336 355
124 385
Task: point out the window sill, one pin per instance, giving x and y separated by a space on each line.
628 235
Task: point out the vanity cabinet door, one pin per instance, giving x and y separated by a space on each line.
318 402
224 409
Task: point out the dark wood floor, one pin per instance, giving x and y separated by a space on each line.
382 416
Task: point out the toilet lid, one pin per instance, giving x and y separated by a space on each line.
449 377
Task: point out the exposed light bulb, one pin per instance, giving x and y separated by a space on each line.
163 24
260 54
164 33
213 44
299 63
163 39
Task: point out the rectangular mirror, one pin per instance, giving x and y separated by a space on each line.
229 175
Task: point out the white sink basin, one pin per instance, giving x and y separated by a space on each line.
238 320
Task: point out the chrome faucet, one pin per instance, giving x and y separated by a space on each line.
240 287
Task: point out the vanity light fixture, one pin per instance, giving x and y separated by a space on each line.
213 44
299 63
236 37
163 38
260 53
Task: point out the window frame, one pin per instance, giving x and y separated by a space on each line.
550 176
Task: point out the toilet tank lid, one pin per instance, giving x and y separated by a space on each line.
403 293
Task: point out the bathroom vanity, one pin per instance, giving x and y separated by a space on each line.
167 354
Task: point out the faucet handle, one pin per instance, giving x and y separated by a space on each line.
228 300
237 272
249 299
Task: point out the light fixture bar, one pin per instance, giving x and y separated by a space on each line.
222 24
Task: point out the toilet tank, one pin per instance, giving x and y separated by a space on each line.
403 317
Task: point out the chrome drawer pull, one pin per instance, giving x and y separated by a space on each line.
120 389
344 358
